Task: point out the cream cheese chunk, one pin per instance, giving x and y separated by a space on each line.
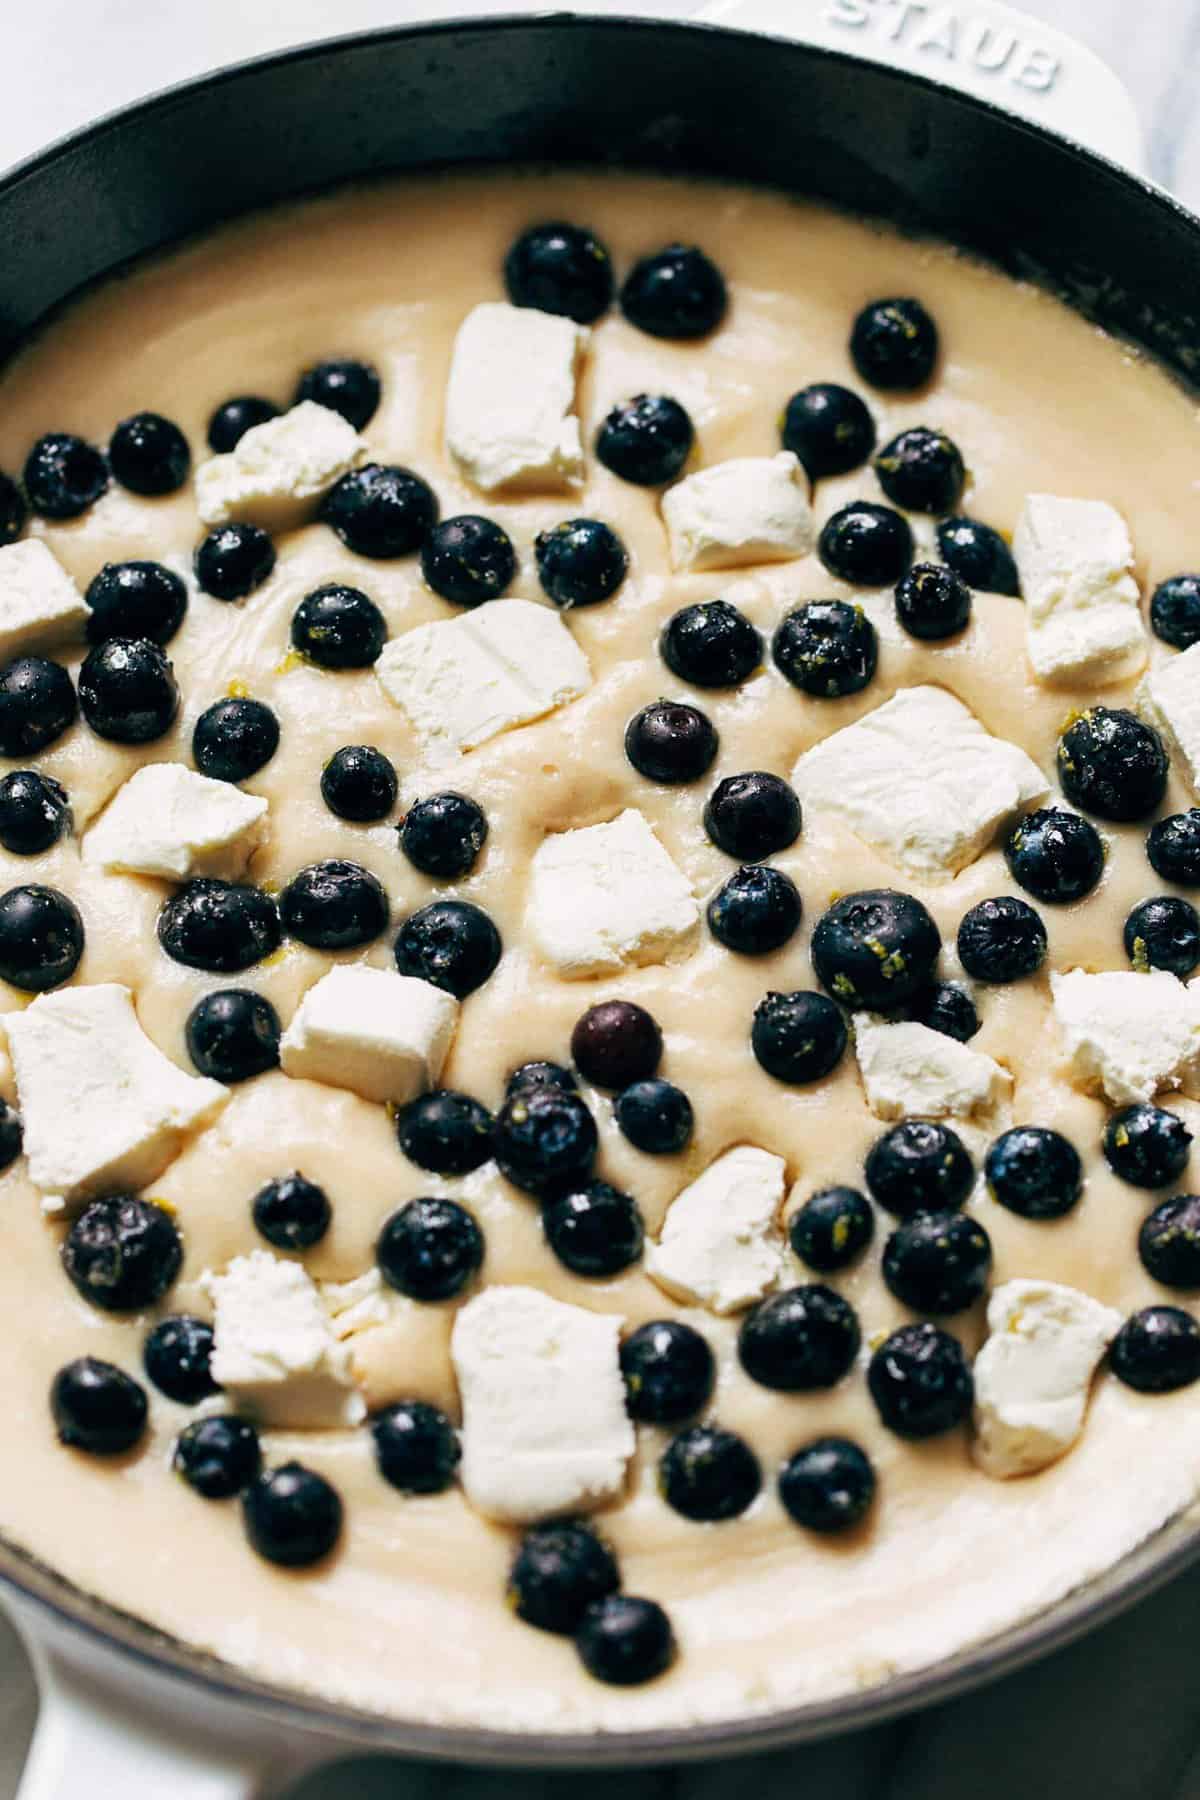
1168 697
753 509
1129 1035
382 1035
608 897
720 1243
279 469
510 399
911 1071
1034 1374
463 681
1075 561
275 1351
40 606
169 821
104 1109
921 780
544 1428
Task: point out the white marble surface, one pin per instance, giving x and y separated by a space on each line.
1114 1718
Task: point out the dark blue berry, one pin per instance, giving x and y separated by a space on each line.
594 1230
452 944
220 926
233 560
12 1135
616 1042
149 454
829 428
797 1037
978 555
1146 1145
921 470
671 742
832 1229
876 949
97 1407
234 418
560 268
345 386
580 562
1163 933
1001 939
127 691
932 602
707 1474
1055 855
1035 1172
233 1034
655 1116
339 627
1112 764
827 1485
292 1515
919 1166
752 816
13 510
359 783
646 440
443 835
560 1569
669 1372
34 812
64 475
122 1253
826 648
37 704
135 600
381 511
416 1447
920 1381
894 344
429 1249
676 293
1157 1350
41 938
540 1074
625 1640
711 644
446 1132
1175 611
1173 847
234 739
804 1338
545 1141
468 559
334 905
219 1456
291 1213
756 911
945 1007
177 1355
866 545
938 1262
1169 1242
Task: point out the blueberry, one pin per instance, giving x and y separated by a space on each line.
832 1229
1173 847
34 812
468 559
1035 1172
234 739
560 1569
429 1249
545 1141
233 1034
1163 933
938 1262
945 1007
97 1407
218 1456
626 1640
452 944
339 627
234 418
752 816
646 440
416 1447
233 560
291 1212
127 691
797 1037
345 386
12 1135
149 454
671 742
1175 611
177 1355
122 1253
443 835
41 938
616 1042
381 511
359 783
827 1485
875 949
866 545
220 926
1001 939
801 1339
655 1116
334 905
292 1516
669 1372
1146 1145
676 293
1112 764
828 428
560 268
894 344
711 644
595 1230
446 1132
917 1167
540 1074
135 600
37 704
920 1381
932 602
580 562
921 470
1055 855
64 475
707 1474
1169 1242
13 510
756 911
978 555
1157 1350
826 648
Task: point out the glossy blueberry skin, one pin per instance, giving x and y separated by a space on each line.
445 1132
676 293
12 1135
233 1034
938 1262
560 268
345 386
595 1230
921 470
545 1141
444 834
802 1339
41 938
97 1407
220 926
580 562
978 555
752 816
826 648
932 603
711 645
233 560
646 440
655 1116
866 545
945 1007
1055 855
920 1382
334 905
127 691
34 812
13 510
708 1474
218 1456
876 949
1169 1242
292 1515
135 600
540 1074
1163 933
452 944
832 1229
430 1249
1112 764
416 1447
359 783
1173 848
233 739
1156 1350
63 476
829 428
669 1372
291 1213
828 1485
149 454
122 1253
234 418
1034 1172
177 1355
1001 940
671 742
468 559
1175 611
381 511
756 911
1147 1146
626 1640
797 1037
37 704
339 627
919 1166
894 344
560 1569
615 1042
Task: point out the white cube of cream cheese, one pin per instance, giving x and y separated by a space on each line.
1034 1374
278 470
382 1035
1126 1034
167 820
921 780
510 400
463 681
720 1243
275 1351
910 1071
1169 699
104 1109
753 509
606 897
1082 613
40 606
544 1428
